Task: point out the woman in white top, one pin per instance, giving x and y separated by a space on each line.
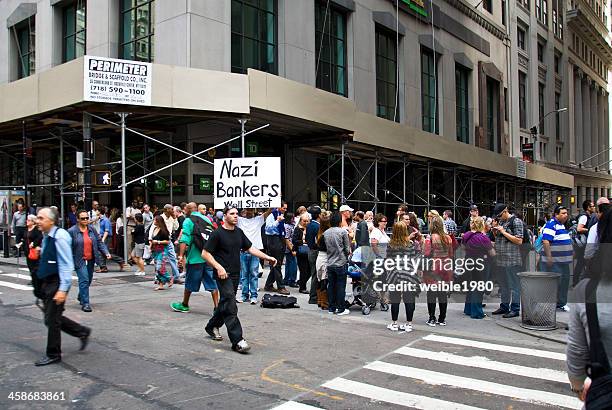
378 237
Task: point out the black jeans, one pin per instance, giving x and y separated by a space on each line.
276 249
304 265
36 283
314 280
227 311
117 259
20 232
336 288
442 298
409 299
55 321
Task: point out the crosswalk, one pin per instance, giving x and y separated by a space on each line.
19 281
442 372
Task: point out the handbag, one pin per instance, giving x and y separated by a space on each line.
599 394
33 254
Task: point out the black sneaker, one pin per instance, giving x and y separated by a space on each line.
510 315
431 322
441 323
499 311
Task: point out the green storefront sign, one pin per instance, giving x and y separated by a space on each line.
416 6
203 184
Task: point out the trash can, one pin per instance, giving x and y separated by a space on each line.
539 300
4 242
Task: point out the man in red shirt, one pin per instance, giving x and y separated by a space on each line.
87 248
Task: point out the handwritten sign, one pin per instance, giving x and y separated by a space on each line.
253 182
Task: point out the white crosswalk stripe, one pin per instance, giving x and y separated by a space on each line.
15 285
436 372
27 277
294 405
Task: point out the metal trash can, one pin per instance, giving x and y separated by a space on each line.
539 300
4 242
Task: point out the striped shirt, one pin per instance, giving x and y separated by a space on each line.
560 242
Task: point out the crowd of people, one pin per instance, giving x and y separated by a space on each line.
225 251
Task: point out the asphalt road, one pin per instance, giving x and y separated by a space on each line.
142 355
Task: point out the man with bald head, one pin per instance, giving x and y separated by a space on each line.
196 229
55 276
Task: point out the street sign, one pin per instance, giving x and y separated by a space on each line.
252 182
103 178
521 168
116 81
203 184
252 149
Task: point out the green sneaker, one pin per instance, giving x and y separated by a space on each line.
179 307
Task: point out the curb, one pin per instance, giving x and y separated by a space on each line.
10 263
537 334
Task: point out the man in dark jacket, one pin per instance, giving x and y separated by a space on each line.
87 248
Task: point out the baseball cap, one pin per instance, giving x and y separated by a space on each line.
346 208
499 209
473 208
603 200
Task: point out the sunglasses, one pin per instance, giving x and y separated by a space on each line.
384 220
84 219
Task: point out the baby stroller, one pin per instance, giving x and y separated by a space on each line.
364 294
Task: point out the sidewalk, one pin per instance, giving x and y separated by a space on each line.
13 261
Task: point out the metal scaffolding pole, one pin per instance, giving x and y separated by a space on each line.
376 183
404 179
25 166
62 208
428 186
342 173
242 122
87 195
171 173
122 115
454 192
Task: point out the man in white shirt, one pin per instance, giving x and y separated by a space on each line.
251 224
94 216
147 216
130 213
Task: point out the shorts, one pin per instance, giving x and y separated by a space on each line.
138 251
199 273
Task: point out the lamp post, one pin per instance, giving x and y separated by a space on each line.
536 128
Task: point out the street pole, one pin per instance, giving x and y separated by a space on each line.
342 174
25 167
376 183
123 186
242 122
171 173
62 209
87 195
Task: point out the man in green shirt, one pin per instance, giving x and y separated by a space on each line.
196 270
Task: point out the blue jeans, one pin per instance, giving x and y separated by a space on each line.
336 288
290 269
564 270
171 255
511 289
249 275
85 275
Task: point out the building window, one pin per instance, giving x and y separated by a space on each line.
429 97
538 9
541 9
461 91
488 5
331 49
73 30
543 150
254 38
557 64
25 39
524 3
559 154
520 38
522 99
557 117
137 26
557 18
541 108
503 8
387 99
540 52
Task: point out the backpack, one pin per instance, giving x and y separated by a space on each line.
201 232
599 395
579 239
278 302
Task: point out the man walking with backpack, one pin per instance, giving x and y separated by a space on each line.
196 231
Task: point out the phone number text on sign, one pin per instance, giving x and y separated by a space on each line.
117 81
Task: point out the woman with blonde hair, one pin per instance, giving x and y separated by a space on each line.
321 263
477 246
439 248
402 244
